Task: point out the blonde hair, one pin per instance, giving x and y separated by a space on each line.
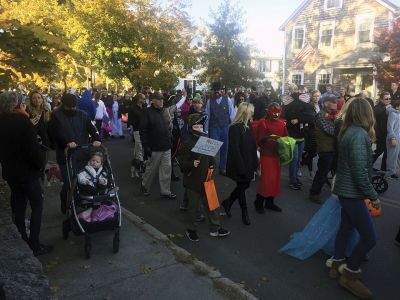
43 109
359 113
343 111
244 114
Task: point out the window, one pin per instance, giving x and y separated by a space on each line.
297 77
264 65
364 28
326 34
323 77
332 4
298 37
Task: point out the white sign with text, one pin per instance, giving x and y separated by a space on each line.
207 146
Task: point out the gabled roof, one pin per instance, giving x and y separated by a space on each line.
386 3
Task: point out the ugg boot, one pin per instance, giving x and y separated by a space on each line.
269 204
245 213
258 204
351 280
333 265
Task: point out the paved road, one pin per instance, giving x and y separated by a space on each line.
249 256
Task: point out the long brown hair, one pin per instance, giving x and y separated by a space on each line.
43 109
359 113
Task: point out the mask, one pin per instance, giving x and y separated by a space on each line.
274 112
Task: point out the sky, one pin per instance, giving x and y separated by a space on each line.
262 18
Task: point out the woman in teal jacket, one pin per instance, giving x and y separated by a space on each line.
353 185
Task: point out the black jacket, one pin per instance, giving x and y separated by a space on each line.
21 156
260 107
381 122
242 159
68 126
134 115
193 178
154 130
299 110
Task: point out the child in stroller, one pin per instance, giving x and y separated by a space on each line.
93 178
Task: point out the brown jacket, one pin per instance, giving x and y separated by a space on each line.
193 178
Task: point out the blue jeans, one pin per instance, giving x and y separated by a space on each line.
294 165
354 216
221 134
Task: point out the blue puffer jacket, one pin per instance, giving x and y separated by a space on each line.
86 104
354 169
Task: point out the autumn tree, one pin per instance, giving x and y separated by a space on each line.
226 57
388 62
29 41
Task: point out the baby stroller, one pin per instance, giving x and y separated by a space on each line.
78 203
379 181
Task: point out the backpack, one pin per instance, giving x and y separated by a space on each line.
286 149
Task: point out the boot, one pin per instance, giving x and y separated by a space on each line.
227 205
258 204
334 265
245 214
350 280
269 204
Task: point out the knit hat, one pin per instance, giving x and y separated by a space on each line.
69 100
197 98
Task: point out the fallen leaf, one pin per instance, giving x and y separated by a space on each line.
145 269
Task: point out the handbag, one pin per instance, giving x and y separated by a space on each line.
211 191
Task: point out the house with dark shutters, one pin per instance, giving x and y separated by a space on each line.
332 42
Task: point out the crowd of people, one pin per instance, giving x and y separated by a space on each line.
165 127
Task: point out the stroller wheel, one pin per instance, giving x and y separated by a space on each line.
88 246
66 228
380 184
116 241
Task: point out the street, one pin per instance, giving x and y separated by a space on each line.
250 255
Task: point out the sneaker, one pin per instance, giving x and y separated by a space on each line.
192 235
168 196
299 183
294 186
220 233
145 192
42 250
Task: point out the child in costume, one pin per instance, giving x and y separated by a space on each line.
93 178
195 167
267 132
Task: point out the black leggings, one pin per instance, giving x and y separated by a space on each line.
240 192
21 193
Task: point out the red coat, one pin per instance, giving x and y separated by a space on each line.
269 185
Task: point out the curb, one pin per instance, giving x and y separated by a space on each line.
225 285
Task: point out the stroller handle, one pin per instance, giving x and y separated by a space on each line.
69 151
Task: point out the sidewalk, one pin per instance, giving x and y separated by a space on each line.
148 265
